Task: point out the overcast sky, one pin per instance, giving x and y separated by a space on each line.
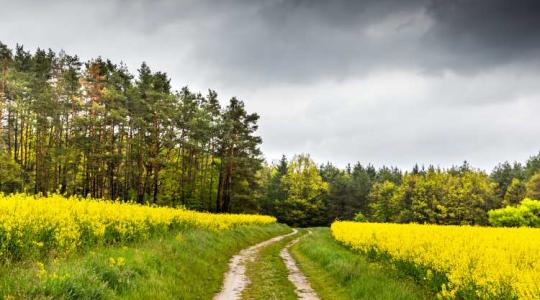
390 82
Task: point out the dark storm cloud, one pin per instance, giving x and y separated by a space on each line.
382 81
256 42
304 41
471 35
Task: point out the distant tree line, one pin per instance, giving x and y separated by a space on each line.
93 129
301 193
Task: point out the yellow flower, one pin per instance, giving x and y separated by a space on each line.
120 261
494 262
42 272
72 223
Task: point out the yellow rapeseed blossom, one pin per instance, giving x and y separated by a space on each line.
42 272
29 223
112 261
486 262
120 261
117 262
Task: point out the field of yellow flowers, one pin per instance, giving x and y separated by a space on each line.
31 225
474 262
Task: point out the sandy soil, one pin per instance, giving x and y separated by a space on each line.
235 279
303 288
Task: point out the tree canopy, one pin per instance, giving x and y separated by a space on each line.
92 128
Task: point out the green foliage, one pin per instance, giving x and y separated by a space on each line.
94 129
274 191
434 196
10 174
517 190
359 217
459 195
533 186
302 180
305 191
526 214
240 159
349 189
532 166
384 205
504 173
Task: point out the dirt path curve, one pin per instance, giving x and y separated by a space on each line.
303 289
235 279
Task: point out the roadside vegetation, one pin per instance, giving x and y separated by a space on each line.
185 264
337 272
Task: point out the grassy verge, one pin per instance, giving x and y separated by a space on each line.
268 274
181 265
337 272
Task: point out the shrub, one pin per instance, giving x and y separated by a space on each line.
359 217
526 214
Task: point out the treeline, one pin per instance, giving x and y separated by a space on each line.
301 193
93 129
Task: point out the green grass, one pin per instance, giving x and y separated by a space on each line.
337 272
183 265
268 274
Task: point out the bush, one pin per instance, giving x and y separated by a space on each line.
526 214
359 217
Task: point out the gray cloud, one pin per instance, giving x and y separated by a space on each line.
472 35
278 41
383 81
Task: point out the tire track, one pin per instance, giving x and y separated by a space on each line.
303 289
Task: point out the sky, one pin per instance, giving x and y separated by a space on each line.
387 82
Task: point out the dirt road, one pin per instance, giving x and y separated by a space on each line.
235 279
